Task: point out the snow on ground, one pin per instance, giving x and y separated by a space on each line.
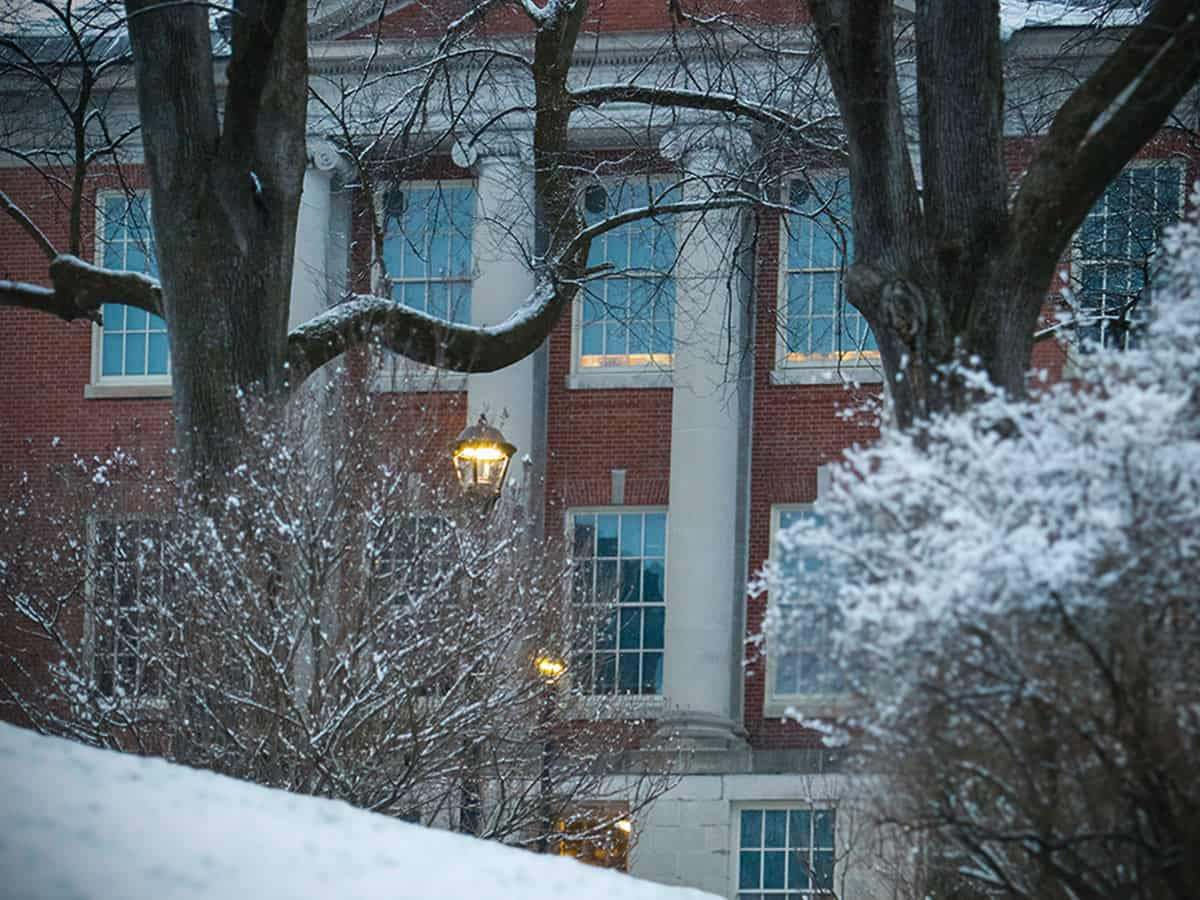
76 822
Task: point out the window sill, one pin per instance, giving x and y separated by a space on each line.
161 390
420 382
599 380
827 375
817 706
622 706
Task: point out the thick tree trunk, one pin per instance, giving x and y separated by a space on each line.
955 277
225 201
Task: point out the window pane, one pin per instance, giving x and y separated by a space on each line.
135 353
111 356
775 832
656 534
751 829
652 673
157 363
773 869
749 866
631 629
606 535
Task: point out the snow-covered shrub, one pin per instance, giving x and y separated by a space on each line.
337 620
1019 591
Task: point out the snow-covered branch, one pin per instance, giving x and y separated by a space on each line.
365 319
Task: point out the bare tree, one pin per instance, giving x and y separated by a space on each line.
954 271
340 622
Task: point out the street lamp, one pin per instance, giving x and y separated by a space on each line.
481 457
550 668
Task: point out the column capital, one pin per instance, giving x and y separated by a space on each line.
325 157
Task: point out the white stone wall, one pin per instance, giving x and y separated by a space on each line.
689 836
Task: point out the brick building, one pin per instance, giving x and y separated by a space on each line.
673 422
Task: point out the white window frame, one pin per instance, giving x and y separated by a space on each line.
101 386
396 374
92 627
777 705
850 366
1077 260
652 374
813 806
617 705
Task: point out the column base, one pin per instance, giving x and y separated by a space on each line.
694 730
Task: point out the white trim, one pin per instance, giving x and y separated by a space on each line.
775 705
856 367
112 387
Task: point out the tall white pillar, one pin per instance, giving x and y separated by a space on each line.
311 289
705 580
502 237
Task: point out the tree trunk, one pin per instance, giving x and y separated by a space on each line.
225 203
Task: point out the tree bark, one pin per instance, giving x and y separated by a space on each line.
953 278
226 202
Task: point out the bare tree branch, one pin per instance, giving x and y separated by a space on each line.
28 225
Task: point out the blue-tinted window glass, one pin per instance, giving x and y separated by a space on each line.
804 657
427 248
628 315
819 323
1116 250
133 343
619 562
788 852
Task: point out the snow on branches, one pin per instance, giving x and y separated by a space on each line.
1017 590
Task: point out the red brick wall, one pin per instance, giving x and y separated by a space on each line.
593 431
796 429
429 20
47 362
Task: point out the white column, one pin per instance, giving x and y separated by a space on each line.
310 277
502 237
705 582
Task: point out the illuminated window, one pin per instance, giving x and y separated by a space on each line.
627 318
785 853
1115 251
132 343
427 247
820 327
596 837
803 662
619 561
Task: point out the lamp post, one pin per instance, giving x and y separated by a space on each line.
481 458
549 669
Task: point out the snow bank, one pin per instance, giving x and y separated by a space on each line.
80 822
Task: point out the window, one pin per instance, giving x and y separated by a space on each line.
803 663
619 561
627 317
427 247
820 327
785 853
1114 252
129 585
131 346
